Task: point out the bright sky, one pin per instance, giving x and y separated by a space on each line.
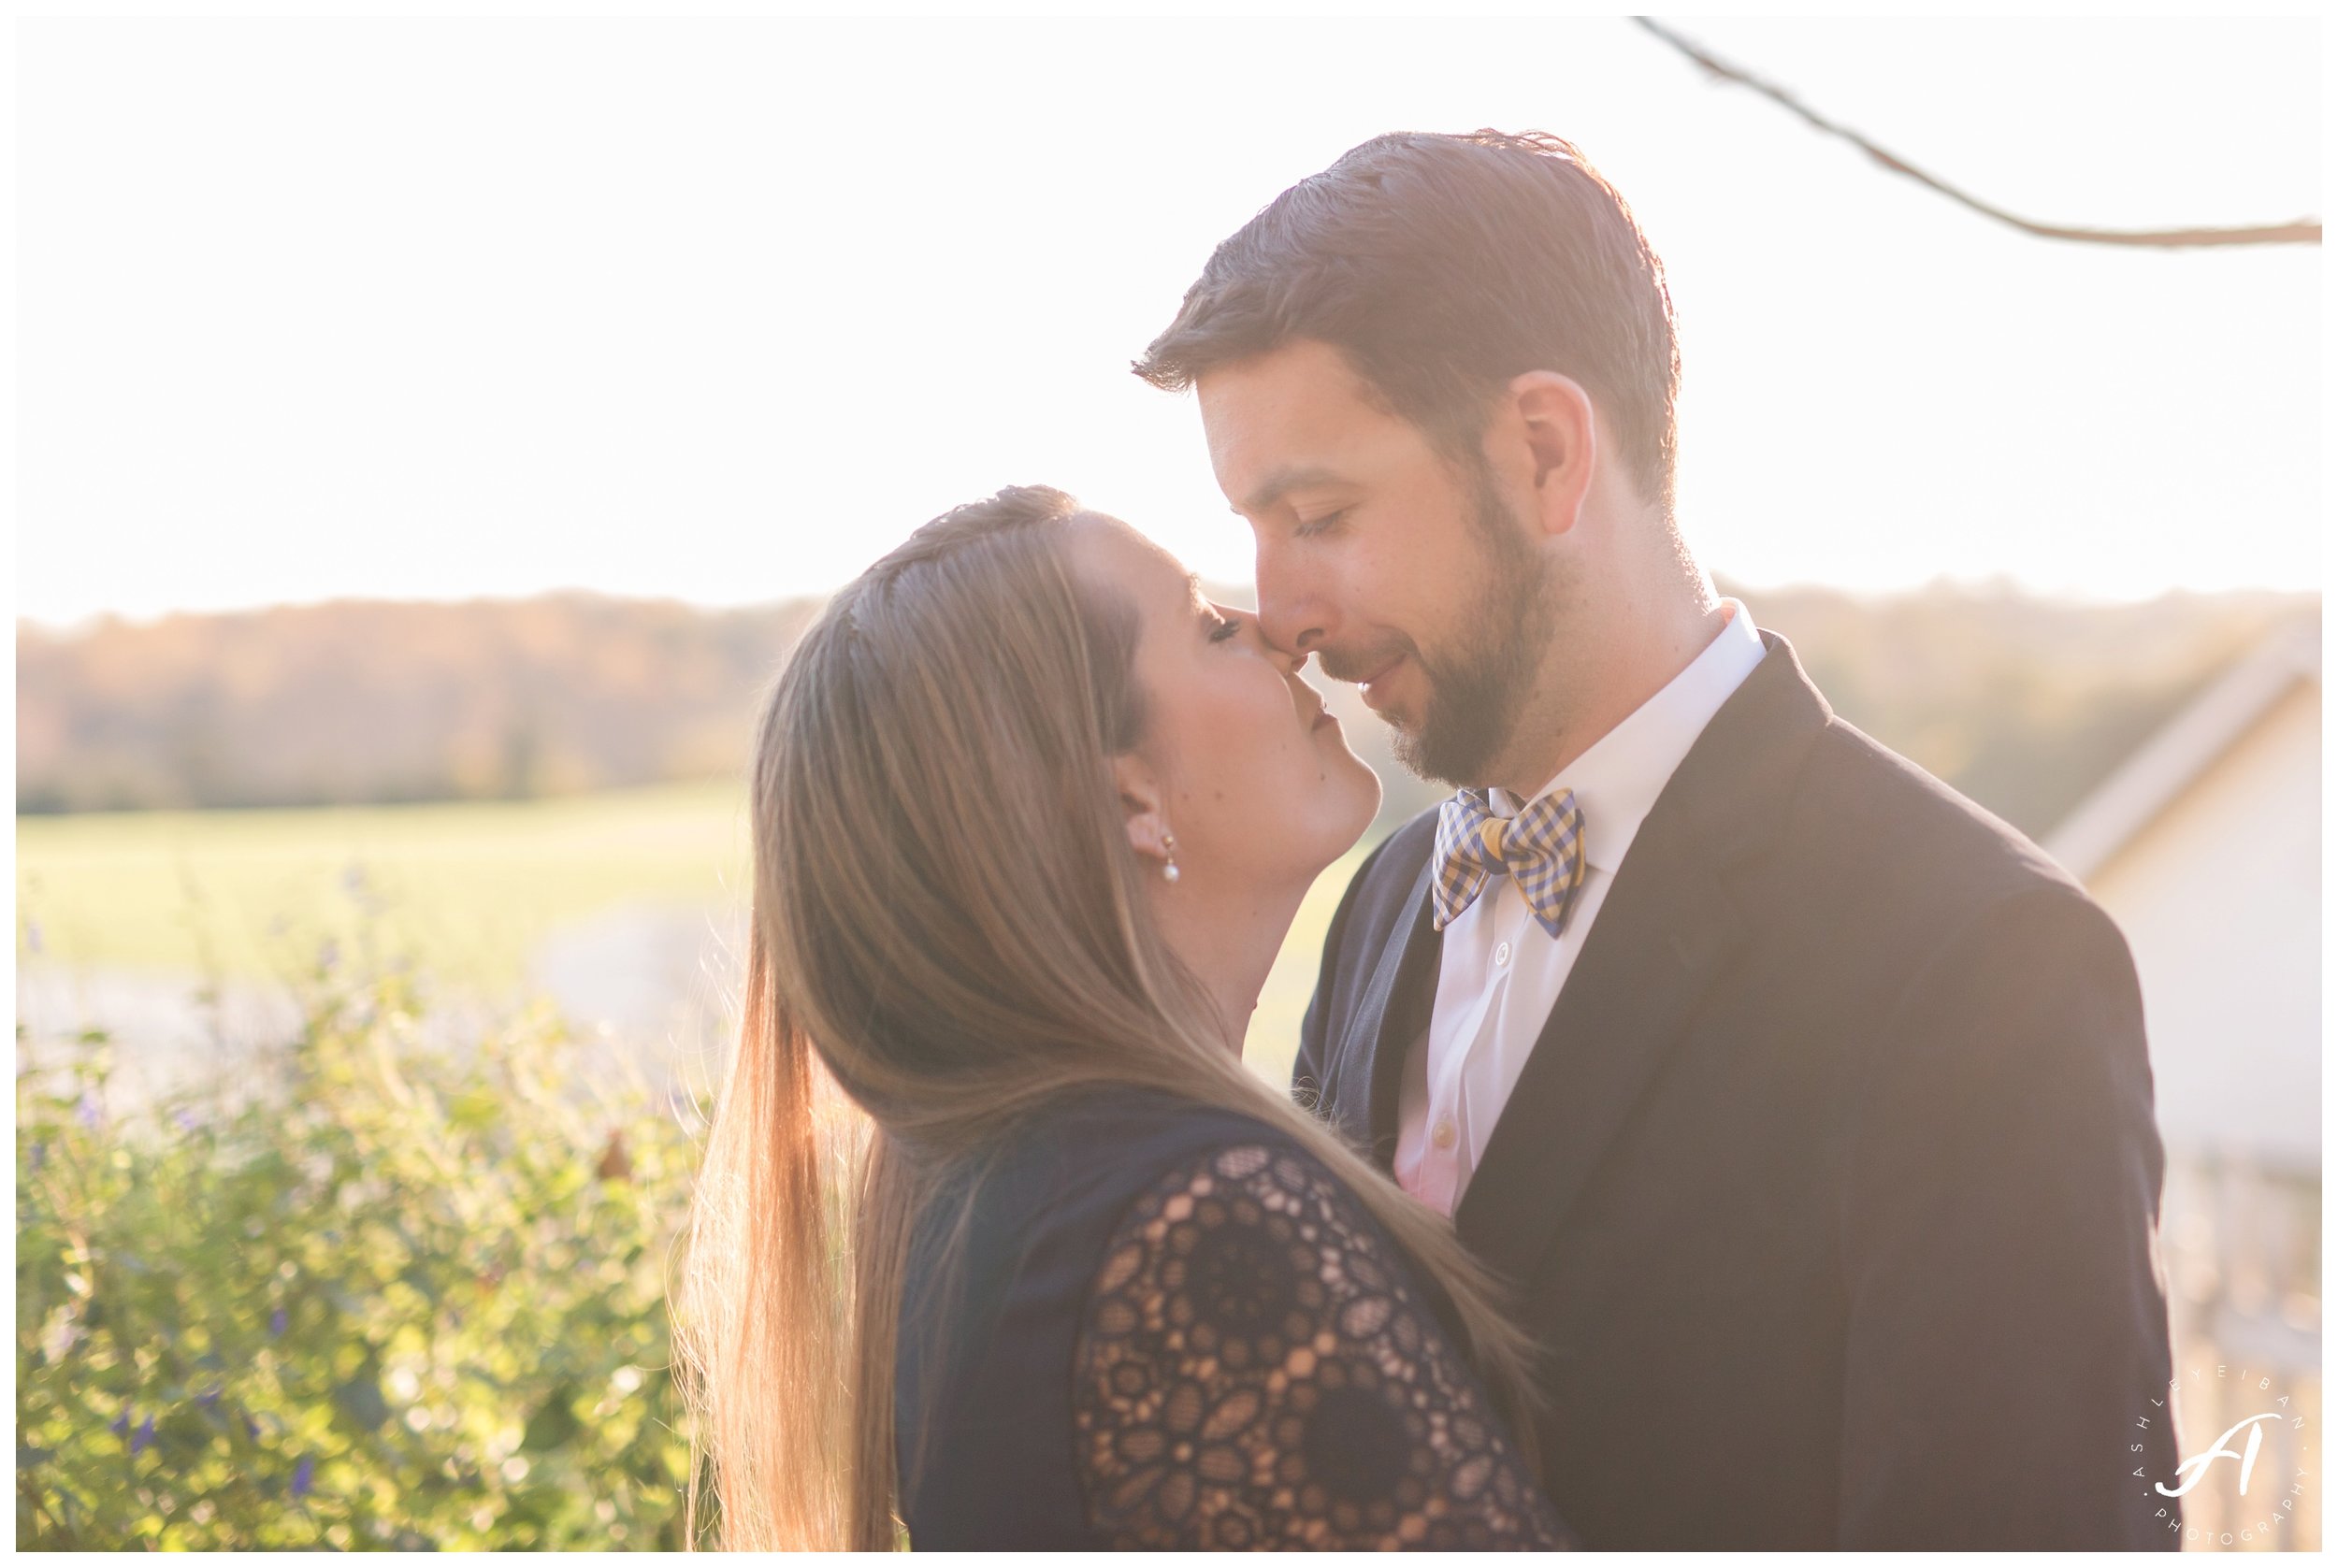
721 309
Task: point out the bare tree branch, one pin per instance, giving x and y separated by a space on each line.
2305 231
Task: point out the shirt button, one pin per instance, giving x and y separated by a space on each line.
1502 956
1442 1135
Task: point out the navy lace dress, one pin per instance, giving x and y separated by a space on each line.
1172 1327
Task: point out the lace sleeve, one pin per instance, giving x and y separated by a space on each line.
1255 1373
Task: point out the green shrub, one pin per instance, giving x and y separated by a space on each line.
380 1298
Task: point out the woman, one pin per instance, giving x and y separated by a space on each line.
1054 1270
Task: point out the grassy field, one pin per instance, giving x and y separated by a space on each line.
468 889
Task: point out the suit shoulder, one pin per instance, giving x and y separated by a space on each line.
1920 842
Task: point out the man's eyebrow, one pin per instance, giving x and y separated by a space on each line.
1280 484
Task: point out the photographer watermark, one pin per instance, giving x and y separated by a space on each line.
2243 1488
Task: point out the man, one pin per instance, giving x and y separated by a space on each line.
1804 1104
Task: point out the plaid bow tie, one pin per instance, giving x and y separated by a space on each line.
1541 848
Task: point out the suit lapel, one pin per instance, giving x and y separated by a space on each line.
1390 1013
1663 932
1667 930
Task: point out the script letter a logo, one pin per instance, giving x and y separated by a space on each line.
2198 1464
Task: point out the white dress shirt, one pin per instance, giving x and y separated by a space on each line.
1500 972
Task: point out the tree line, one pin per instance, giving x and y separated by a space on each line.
2021 702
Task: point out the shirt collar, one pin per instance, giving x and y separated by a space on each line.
1617 780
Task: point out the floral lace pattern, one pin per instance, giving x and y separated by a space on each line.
1253 1372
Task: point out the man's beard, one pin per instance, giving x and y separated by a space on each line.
1477 685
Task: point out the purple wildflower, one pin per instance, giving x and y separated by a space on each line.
119 1425
275 1322
40 1156
250 1427
145 1437
185 1119
304 1474
87 1112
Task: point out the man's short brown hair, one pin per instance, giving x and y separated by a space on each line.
1443 266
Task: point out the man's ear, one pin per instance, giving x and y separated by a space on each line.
1141 798
1551 414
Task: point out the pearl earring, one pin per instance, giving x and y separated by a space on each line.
1169 844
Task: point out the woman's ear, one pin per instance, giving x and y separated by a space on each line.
1141 801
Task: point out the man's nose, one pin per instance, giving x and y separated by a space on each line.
1291 662
1291 610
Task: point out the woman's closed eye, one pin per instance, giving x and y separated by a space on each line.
1224 628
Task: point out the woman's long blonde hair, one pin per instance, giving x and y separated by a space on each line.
951 928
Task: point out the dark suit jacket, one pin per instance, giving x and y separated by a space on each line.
1828 1189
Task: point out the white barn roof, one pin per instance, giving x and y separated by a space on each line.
2126 803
